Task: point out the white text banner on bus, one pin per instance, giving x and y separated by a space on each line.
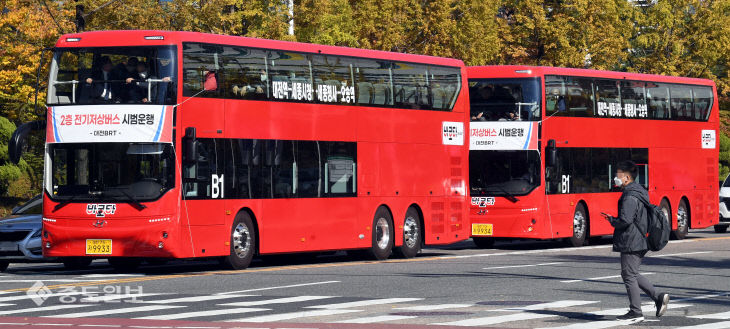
110 123
501 135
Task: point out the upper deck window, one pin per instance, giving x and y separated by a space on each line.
591 97
279 75
505 99
113 75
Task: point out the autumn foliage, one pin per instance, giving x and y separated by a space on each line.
672 37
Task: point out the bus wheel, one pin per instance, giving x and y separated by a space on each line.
382 235
483 243
76 263
411 235
243 243
682 221
580 226
4 265
720 228
124 264
664 206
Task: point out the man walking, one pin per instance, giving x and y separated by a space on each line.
629 238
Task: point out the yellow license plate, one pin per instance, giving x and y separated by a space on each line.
481 229
98 246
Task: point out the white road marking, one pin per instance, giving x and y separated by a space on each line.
434 307
518 266
717 294
284 300
646 308
544 306
44 308
25 296
366 303
114 311
194 299
293 315
681 254
47 280
485 321
376 319
601 278
715 316
280 287
197 314
594 325
111 297
3 305
716 325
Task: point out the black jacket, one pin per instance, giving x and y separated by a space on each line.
628 237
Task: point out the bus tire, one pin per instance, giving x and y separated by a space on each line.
683 220
667 210
483 243
580 226
412 235
76 263
243 243
720 228
124 264
4 265
382 240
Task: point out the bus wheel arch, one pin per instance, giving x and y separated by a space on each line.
684 219
382 234
244 241
412 232
580 225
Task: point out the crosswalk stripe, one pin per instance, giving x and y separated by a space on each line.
715 316
543 306
485 321
114 297
716 325
114 311
25 296
376 319
434 307
194 299
44 308
293 315
197 314
520 266
646 308
593 325
600 278
366 303
284 300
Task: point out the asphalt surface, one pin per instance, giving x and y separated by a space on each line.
520 284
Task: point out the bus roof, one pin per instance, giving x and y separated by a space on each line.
518 71
156 37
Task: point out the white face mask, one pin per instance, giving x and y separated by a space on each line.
617 181
264 77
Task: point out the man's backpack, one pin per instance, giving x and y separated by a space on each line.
657 235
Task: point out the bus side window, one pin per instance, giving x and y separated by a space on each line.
340 168
199 60
681 102
199 174
657 98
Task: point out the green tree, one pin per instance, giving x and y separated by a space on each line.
9 173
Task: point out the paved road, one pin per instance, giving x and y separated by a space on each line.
524 284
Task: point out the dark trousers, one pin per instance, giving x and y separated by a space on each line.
630 262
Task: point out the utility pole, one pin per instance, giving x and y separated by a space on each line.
291 16
80 19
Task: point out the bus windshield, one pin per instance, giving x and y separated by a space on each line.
111 171
118 75
503 173
505 99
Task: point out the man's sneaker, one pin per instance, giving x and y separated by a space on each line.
632 317
661 304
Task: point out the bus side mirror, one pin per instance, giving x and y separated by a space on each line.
551 154
190 145
19 139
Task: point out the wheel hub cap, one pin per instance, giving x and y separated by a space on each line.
382 233
241 240
410 232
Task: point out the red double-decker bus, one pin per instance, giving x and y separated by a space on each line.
545 141
179 145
